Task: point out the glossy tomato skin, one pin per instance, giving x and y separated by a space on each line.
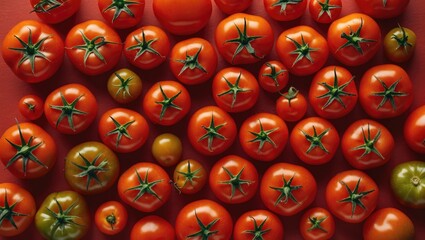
167 149
111 217
287 189
233 6
124 86
302 49
22 206
93 47
414 130
388 224
273 76
386 91
400 44
154 228
382 9
325 11
38 40
31 107
190 176
57 12
285 10
182 17
316 224
251 43
408 182
269 226
291 106
364 33
122 14
66 117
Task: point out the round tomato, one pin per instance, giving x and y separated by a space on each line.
287 189
71 108
124 86
285 10
317 223
190 176
400 44
291 106
302 49
382 9
122 13
55 11
244 39
258 224
325 11
111 217
33 51
152 227
414 130
352 196
233 179
233 6
386 91
273 76
27 151
388 224
31 107
93 47
408 183
167 149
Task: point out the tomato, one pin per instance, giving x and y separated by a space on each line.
93 47
235 89
91 168
400 44
233 179
144 186
333 93
273 76
285 10
314 140
147 47
111 217
302 49
325 11
367 144
263 136
17 207
31 107
388 224
258 224
382 9
193 61
190 176
123 130
287 189
166 103
70 109
33 51
182 17
122 13
414 130
63 215
291 106
408 183
244 39
55 11
152 227
167 149
124 86
352 196
317 223
386 91
204 219
233 6
27 150
354 39
211 130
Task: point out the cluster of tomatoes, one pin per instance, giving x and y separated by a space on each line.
34 51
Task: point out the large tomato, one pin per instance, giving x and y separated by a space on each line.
388 224
258 225
55 11
111 217
414 130
152 227
273 76
124 86
190 176
31 107
285 10
233 6
325 11
122 13
399 44
382 9
316 224
291 106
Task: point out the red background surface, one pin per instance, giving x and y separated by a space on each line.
12 89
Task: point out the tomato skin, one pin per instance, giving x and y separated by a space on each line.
167 149
123 19
382 9
273 76
25 204
111 217
325 221
246 223
48 57
414 130
190 182
319 13
291 12
31 107
154 228
233 6
388 224
57 14
124 86
291 106
400 44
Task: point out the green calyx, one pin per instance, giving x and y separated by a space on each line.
384 3
7 212
286 191
145 187
354 197
189 176
168 102
120 6
302 49
273 74
258 230
91 46
212 133
234 89
403 41
263 137
120 130
44 6
90 169
290 95
205 230
63 219
283 4
68 110
235 181
335 92
354 39
389 93
111 220
315 140
316 223
30 106
369 143
123 86
143 46
326 8
191 62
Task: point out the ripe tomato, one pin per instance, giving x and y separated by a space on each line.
182 17
111 217
314 140
124 86
55 11
285 10
273 76
386 91
121 13
167 149
400 44
235 89
302 49
291 106
211 130
317 223
414 130
152 227
263 136
388 223
333 93
351 196
166 103
93 47
382 9
258 224
27 151
33 51
193 61
31 107
190 176
17 206
354 39
325 11
147 47
204 219
233 179
233 6
144 186
71 108
287 189
244 39
367 144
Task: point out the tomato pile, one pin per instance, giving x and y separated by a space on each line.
204 119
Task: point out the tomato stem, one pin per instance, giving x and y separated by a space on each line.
68 110
326 8
191 62
354 39
62 218
205 231
235 181
403 41
124 85
189 175
389 93
283 4
416 181
335 92
120 6
355 197
315 140
369 143
258 230
212 133
234 89
90 169
144 46
44 6
112 220
167 102
7 212
120 130
316 223
302 49
290 95
273 74
263 137
286 191
145 187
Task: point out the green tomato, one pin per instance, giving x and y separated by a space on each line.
408 183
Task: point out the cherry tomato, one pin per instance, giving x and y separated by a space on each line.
273 76
111 217
400 44
233 6
31 107
285 10
317 223
258 224
382 9
291 106
152 227
325 11
414 130
122 13
167 149
388 224
124 86
190 176
55 11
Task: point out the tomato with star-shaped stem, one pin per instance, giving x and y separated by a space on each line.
152 227
273 76
258 224
111 217
122 13
291 106
31 107
382 9
285 10
55 11
124 86
233 6
316 224
325 11
190 176
400 44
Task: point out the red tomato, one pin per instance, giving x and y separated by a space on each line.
287 189
302 49
388 224
291 106
31 107
93 47
325 11
55 11
233 6
414 130
258 224
352 196
285 10
111 217
382 9
152 227
273 76
71 108
400 44
244 39
235 89
317 223
121 13
33 51
190 176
